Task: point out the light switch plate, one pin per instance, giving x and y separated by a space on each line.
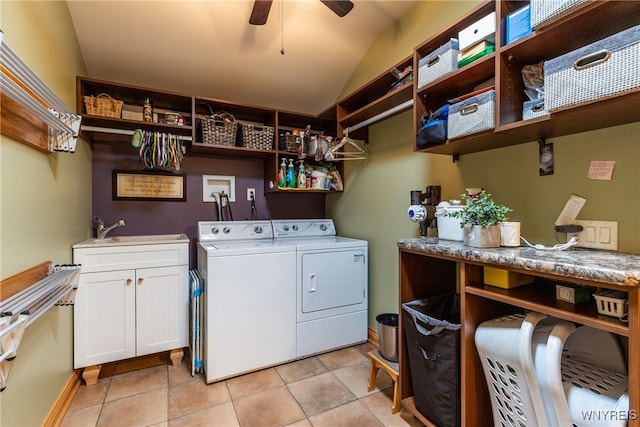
597 234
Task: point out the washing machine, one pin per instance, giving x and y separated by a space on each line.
331 285
250 297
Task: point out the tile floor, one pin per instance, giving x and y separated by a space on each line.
325 390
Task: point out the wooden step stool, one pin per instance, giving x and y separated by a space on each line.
391 368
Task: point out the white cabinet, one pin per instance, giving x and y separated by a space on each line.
132 300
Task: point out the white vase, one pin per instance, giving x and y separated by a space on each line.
475 235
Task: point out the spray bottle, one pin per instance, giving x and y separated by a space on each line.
302 177
282 174
291 175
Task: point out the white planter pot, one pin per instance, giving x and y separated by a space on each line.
475 235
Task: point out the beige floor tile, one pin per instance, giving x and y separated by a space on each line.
259 409
196 395
380 404
218 416
136 382
341 358
82 417
356 378
90 395
253 383
139 410
301 423
349 415
301 369
320 393
181 373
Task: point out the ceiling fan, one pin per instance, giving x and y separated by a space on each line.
261 8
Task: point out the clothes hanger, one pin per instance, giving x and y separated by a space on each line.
334 153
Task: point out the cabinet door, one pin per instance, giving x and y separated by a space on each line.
161 309
104 318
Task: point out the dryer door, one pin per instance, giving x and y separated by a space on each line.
333 279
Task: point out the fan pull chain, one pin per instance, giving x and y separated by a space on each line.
281 27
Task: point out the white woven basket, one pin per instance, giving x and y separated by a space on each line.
534 108
601 70
544 12
438 63
472 115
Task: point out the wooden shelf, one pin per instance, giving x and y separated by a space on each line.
376 97
584 26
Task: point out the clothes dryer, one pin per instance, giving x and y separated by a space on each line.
331 285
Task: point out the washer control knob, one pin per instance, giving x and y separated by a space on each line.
257 229
226 230
285 227
215 230
323 227
295 228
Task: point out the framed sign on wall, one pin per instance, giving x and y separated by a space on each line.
149 185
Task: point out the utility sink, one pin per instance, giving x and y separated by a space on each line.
151 239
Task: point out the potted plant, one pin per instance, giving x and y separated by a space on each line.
480 220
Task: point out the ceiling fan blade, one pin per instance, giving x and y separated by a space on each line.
339 7
260 12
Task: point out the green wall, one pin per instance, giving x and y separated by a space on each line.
45 207
376 197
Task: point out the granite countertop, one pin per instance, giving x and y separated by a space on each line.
587 264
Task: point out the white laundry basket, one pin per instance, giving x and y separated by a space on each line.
544 371
504 346
586 378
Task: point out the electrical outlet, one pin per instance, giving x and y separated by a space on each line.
251 194
597 234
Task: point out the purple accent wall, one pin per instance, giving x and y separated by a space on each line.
171 217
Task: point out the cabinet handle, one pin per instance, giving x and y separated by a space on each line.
140 279
128 282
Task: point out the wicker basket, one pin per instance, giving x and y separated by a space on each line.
601 70
103 105
287 142
533 109
219 132
258 137
438 63
544 12
472 115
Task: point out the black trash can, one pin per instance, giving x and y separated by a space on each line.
432 331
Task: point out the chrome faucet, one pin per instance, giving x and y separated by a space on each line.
102 231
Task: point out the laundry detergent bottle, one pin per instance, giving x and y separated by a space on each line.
291 175
282 174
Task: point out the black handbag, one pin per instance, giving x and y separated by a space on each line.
434 128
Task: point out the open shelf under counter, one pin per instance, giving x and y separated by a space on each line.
541 297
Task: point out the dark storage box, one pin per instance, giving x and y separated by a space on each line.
432 331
